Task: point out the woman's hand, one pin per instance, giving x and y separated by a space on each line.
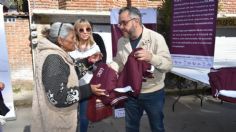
2 85
95 57
97 90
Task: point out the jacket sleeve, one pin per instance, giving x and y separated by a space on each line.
55 75
161 58
116 63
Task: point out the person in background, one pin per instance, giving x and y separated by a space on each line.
57 89
3 108
2 86
86 54
99 41
154 51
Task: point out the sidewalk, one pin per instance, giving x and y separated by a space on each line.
188 117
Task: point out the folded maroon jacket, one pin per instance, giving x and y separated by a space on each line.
223 79
134 73
107 77
97 110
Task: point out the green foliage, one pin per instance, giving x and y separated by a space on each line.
12 4
20 4
165 13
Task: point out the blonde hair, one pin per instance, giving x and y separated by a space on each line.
83 23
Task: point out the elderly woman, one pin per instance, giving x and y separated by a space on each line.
57 90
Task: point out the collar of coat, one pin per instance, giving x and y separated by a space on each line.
47 47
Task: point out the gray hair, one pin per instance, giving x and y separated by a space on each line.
133 12
59 29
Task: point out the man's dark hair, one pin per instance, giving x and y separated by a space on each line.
133 12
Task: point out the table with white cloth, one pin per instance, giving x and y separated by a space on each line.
197 75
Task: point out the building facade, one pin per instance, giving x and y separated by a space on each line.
43 12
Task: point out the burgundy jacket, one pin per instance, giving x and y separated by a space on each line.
133 75
107 77
223 79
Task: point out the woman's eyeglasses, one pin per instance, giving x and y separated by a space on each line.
82 30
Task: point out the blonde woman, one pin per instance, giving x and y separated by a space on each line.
86 54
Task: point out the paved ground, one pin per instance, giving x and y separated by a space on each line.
188 117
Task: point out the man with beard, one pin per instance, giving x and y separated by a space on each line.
154 51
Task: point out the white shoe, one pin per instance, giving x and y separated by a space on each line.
2 120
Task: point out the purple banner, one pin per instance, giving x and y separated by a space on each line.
193 32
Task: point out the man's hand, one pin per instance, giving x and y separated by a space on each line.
97 90
143 54
2 85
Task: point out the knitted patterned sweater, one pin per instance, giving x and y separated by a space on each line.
56 90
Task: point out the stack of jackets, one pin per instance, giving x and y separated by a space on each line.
133 74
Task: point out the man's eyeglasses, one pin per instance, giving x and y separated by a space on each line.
124 23
82 30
